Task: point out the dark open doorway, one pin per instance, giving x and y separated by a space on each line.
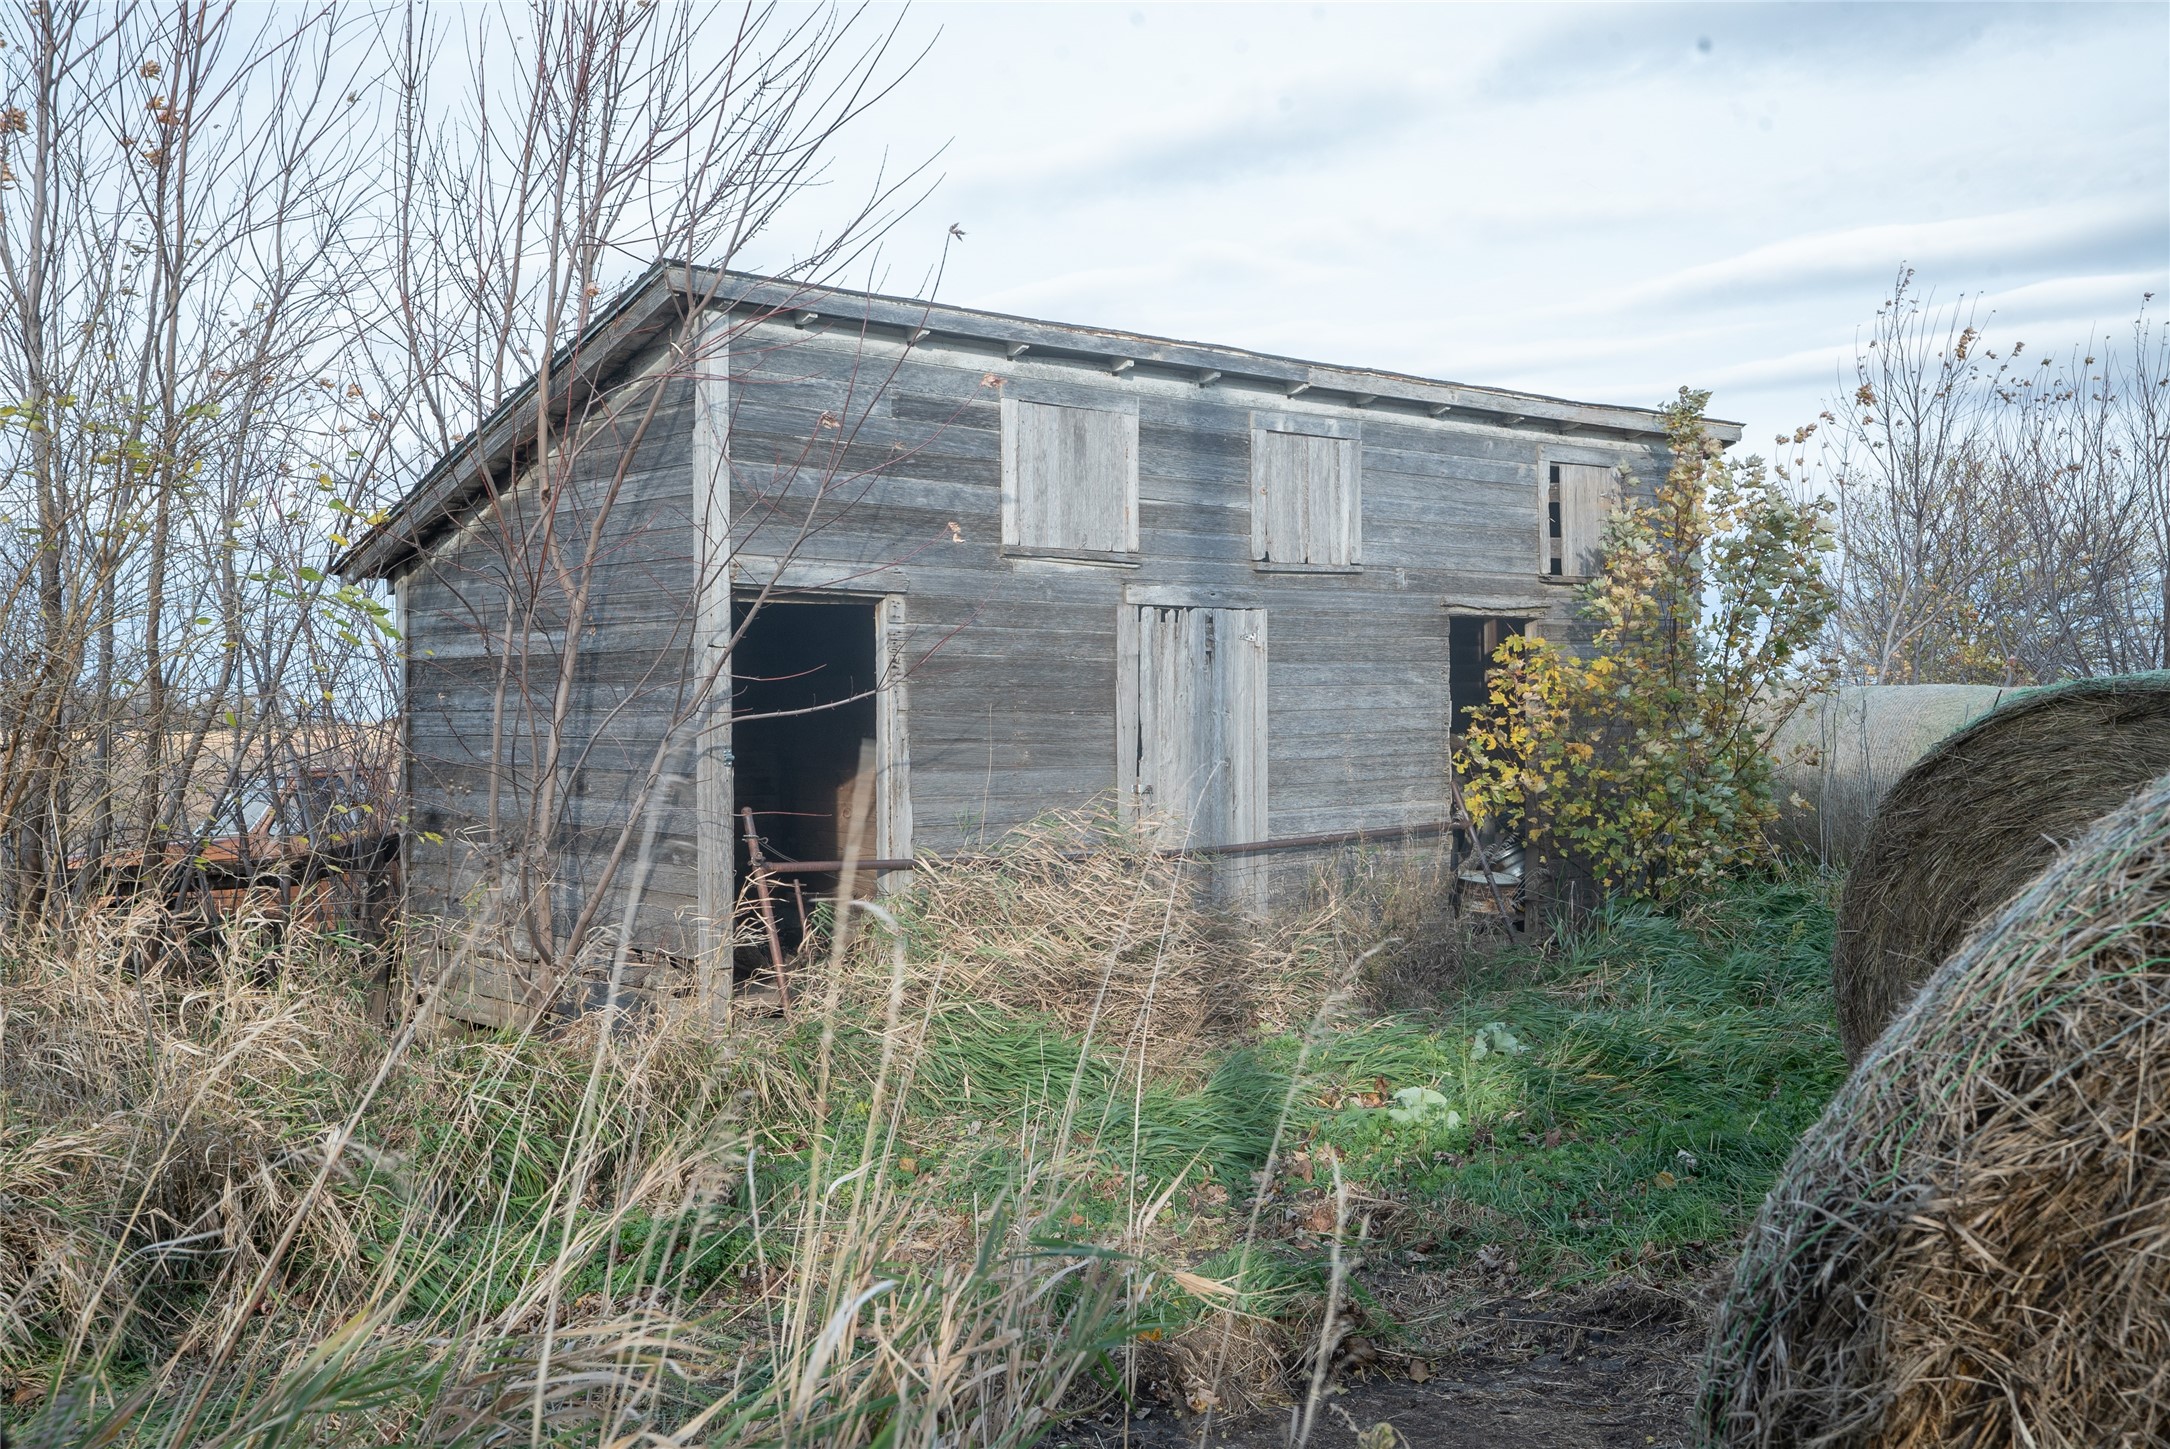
1471 642
802 705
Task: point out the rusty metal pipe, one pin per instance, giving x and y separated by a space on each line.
1249 847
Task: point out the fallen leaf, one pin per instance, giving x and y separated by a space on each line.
1419 1371
1666 1179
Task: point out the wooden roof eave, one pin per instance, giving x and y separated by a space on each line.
923 321
457 479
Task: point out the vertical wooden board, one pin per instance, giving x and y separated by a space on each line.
1155 749
1189 725
1012 424
1348 545
1208 796
1288 508
405 765
893 738
1544 518
1244 668
1044 487
1276 496
1127 481
1073 482
1586 497
1321 508
1126 707
1168 743
1242 672
711 504
1052 476
1140 745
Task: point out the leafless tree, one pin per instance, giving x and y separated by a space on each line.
2002 518
259 269
525 196
175 339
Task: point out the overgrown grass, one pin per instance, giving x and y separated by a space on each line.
1651 1079
912 1215
1629 1094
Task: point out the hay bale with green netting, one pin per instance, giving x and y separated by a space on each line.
1834 757
1972 1246
1974 820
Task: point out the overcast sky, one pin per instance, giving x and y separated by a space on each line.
1599 202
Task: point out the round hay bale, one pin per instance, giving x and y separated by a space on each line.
1972 1246
1841 750
1974 820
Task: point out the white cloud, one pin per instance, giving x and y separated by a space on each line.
1583 201
2050 236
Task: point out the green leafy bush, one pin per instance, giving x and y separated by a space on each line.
1644 763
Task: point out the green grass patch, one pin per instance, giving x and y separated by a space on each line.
1641 1086
1635 1089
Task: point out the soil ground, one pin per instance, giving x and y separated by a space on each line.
1613 1368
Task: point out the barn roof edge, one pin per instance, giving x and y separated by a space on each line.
671 289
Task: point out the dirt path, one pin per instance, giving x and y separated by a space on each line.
1617 1369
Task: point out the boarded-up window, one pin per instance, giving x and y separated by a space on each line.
1579 497
1306 499
1069 479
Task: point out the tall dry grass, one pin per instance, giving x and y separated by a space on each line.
1079 917
240 1210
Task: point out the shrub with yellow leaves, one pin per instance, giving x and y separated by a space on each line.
1642 761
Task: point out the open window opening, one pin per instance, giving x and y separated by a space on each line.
1555 537
1472 640
803 707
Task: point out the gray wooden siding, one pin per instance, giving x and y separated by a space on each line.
628 688
1013 684
868 467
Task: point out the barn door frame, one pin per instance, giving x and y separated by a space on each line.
892 734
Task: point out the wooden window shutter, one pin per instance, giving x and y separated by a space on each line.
1587 493
1069 478
1306 499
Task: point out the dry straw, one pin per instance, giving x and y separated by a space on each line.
1972 1247
1079 918
1974 820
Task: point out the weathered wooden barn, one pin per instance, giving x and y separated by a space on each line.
1036 565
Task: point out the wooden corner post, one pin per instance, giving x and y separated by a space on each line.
712 583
